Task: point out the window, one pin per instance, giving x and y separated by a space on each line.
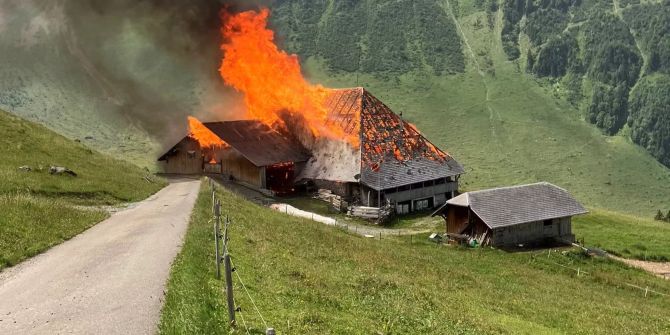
548 223
423 204
439 181
190 154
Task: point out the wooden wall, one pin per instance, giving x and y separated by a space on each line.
234 164
182 162
534 232
457 219
190 159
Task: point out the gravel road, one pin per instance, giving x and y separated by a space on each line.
109 279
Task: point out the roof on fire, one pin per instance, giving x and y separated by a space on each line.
257 142
392 151
508 206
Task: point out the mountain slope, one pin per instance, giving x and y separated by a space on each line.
504 125
122 76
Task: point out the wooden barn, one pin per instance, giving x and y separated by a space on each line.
253 153
393 164
509 216
384 162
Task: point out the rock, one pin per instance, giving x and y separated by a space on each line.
60 170
25 168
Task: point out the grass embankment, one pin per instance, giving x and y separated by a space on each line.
39 210
307 278
625 236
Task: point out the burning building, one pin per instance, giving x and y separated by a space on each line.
297 133
384 160
391 163
248 151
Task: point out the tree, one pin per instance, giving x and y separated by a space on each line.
659 216
667 217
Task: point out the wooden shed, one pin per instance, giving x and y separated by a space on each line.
525 214
254 154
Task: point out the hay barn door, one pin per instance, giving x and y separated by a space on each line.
279 177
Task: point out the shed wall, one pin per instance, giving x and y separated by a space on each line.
182 162
534 232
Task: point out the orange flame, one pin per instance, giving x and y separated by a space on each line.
205 137
270 79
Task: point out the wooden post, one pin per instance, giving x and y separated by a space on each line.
646 291
380 235
217 222
578 272
229 288
213 200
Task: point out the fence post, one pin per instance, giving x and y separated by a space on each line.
229 288
217 221
229 273
646 291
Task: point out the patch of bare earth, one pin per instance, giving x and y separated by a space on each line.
660 269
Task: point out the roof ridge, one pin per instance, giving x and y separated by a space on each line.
513 187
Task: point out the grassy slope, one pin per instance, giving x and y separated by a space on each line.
625 236
307 278
37 210
506 129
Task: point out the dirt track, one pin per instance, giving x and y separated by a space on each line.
107 280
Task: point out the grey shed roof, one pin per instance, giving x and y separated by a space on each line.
508 206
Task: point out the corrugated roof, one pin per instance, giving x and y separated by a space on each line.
259 143
388 145
508 206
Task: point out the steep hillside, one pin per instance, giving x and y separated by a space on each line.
503 124
38 209
308 278
611 58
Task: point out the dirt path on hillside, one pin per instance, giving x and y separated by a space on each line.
659 269
109 279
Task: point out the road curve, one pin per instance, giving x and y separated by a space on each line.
107 280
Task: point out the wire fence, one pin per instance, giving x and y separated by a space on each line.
540 257
223 255
379 233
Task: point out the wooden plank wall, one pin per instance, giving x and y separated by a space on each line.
240 168
182 162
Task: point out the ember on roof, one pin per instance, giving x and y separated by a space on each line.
391 163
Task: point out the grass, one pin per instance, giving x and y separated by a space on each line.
415 221
30 225
39 210
308 278
625 236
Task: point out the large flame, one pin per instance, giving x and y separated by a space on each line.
205 137
270 79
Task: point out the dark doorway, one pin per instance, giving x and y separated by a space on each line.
279 178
